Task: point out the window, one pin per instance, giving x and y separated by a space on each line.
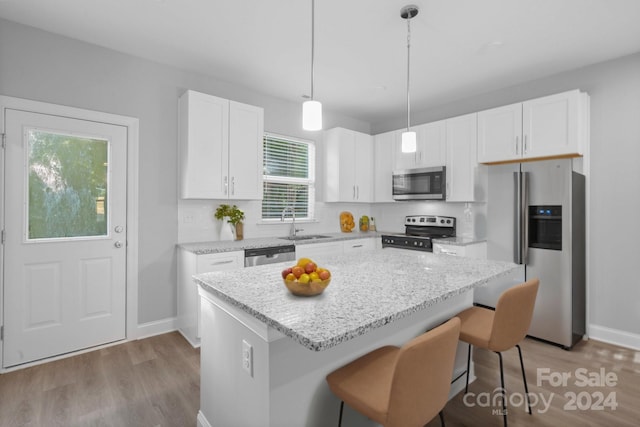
289 177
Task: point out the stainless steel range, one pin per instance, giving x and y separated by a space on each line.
419 230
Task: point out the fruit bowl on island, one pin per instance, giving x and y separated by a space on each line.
306 278
306 289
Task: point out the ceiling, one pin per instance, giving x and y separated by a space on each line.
460 48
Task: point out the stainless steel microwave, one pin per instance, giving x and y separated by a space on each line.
419 184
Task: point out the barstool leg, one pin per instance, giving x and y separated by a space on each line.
504 391
466 386
524 378
341 408
441 413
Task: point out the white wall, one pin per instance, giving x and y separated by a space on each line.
45 67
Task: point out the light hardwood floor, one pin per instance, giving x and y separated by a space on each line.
150 382
155 382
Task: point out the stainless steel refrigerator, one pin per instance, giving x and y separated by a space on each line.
536 217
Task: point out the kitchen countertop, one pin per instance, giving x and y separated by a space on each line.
202 248
367 290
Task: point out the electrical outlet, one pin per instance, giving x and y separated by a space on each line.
187 219
247 357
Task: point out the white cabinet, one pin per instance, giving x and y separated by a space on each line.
357 245
552 126
190 264
430 147
318 250
348 166
220 148
464 174
384 155
473 250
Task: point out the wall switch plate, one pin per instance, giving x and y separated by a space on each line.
247 357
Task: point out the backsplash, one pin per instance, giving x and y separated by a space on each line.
197 224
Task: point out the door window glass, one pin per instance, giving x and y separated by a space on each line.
67 184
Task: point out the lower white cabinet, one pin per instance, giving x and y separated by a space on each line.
318 250
472 250
365 244
190 264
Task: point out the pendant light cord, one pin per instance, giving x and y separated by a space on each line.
313 20
408 74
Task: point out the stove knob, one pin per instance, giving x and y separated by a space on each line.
442 221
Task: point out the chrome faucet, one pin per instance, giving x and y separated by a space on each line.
292 233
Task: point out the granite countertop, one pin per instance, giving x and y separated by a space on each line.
367 290
202 248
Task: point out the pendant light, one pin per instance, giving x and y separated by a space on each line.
312 109
408 136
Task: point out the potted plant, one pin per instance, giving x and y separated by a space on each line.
232 215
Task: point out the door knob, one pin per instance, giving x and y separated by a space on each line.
118 229
118 244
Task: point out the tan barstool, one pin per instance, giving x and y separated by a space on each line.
501 329
401 386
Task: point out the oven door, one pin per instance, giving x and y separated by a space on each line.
419 184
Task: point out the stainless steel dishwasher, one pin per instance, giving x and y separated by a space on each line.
270 255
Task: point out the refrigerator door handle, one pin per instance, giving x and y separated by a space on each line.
525 217
517 244
521 243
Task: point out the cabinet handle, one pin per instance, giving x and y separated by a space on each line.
357 192
356 246
233 185
354 192
524 149
226 185
517 140
229 261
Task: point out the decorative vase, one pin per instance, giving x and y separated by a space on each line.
226 230
239 231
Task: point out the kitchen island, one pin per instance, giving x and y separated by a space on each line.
265 352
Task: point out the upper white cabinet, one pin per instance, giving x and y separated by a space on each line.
463 171
552 126
430 147
348 166
384 157
220 148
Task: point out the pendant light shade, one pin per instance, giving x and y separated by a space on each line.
408 137
409 142
312 109
312 115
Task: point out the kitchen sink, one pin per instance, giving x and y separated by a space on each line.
306 237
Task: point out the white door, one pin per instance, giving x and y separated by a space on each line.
65 230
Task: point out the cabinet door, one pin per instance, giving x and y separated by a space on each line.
366 244
316 251
431 144
500 134
246 129
204 133
339 151
384 154
462 165
363 166
550 125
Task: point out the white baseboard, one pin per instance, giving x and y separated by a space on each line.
614 336
157 327
202 420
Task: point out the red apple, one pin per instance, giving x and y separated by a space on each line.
285 272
